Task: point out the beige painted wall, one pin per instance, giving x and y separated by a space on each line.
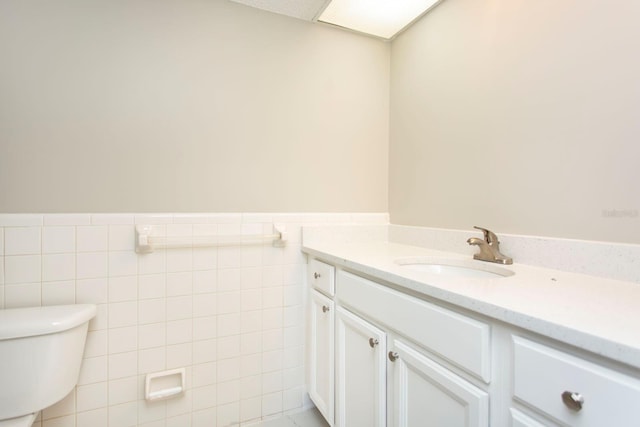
187 105
521 116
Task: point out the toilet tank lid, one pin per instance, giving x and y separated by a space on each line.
32 321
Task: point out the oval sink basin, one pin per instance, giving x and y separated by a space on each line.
454 268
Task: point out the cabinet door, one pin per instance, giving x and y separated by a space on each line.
321 363
425 394
361 372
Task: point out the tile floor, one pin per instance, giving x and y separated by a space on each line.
308 418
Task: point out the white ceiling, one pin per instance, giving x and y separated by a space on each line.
301 9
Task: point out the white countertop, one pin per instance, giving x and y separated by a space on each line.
598 315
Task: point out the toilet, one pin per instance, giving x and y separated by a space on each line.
41 352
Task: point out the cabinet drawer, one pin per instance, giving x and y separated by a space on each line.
463 341
542 375
322 277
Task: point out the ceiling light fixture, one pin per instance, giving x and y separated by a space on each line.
381 18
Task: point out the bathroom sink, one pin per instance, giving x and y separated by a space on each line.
445 267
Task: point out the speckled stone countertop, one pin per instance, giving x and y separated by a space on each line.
595 314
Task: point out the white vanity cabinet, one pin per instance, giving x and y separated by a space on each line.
414 352
383 375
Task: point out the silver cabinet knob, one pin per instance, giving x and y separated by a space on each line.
325 308
316 275
373 342
393 356
572 400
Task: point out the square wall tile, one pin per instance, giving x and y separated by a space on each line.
179 307
152 286
205 258
124 415
123 390
123 365
58 240
228 392
23 295
152 414
155 262
250 409
123 288
229 280
123 263
228 369
205 281
251 386
204 418
180 331
123 314
57 267
122 238
92 238
152 311
152 360
91 396
91 291
91 265
179 260
205 305
250 343
22 269
271 403
59 293
152 335
228 347
179 355
228 324
204 397
204 374
22 240
122 340
205 328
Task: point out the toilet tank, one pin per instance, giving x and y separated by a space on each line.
41 352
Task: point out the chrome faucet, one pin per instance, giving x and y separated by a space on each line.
489 247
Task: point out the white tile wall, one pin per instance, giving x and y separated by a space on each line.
233 316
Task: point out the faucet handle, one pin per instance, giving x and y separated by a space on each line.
489 236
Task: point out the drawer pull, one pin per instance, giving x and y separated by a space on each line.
373 342
573 401
325 308
393 356
316 275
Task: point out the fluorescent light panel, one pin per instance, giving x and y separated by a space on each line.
382 18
